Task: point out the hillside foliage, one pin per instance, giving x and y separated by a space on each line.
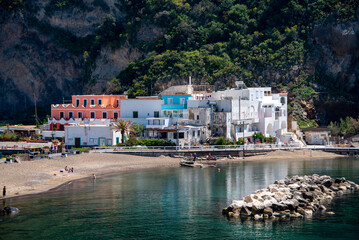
261 42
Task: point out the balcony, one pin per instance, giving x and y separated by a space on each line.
173 106
157 123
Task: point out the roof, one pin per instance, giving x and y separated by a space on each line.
318 129
21 127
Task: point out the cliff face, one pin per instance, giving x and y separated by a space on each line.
336 65
33 62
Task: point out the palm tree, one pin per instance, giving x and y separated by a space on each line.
123 126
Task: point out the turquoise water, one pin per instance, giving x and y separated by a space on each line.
178 203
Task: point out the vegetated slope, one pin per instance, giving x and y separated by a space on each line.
308 48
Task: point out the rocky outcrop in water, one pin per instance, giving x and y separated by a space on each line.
9 211
295 197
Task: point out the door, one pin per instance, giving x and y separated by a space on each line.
101 141
77 142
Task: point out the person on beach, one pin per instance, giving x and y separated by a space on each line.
66 169
195 157
4 192
93 176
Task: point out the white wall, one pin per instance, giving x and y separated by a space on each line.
145 108
90 135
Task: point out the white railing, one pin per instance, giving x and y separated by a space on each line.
213 148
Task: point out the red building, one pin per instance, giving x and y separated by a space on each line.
89 107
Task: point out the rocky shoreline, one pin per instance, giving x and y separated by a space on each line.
295 197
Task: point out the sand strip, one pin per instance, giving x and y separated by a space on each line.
30 177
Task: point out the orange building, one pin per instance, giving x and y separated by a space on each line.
89 107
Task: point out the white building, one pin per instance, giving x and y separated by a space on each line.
240 112
91 135
140 108
183 135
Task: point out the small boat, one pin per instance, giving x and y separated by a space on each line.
187 164
201 164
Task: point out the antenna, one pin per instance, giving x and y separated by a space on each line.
37 123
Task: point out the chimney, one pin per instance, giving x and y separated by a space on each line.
190 80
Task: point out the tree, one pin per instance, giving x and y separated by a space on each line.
123 126
137 128
258 135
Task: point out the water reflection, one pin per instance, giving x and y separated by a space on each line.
169 203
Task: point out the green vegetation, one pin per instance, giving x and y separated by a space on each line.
347 127
224 141
262 42
9 136
259 136
148 142
308 123
137 129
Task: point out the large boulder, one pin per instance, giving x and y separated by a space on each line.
11 210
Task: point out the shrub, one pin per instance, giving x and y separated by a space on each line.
8 136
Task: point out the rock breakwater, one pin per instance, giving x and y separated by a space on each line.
295 197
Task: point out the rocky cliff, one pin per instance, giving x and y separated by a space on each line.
52 49
41 54
335 59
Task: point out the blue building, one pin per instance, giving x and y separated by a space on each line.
174 105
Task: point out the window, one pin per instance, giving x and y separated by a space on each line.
169 100
100 101
92 115
115 115
135 114
79 114
85 102
199 133
71 115
156 122
77 102
156 114
62 115
92 140
181 135
182 101
104 115
117 103
92 101
197 117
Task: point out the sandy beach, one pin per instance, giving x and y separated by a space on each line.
30 177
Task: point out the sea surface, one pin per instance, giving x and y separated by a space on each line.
179 203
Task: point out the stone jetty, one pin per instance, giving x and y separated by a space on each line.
295 197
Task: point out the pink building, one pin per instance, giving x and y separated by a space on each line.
89 107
